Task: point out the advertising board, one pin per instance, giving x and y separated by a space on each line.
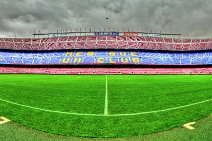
130 33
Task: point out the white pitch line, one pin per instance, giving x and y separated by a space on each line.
50 111
98 115
164 110
3 120
106 99
188 125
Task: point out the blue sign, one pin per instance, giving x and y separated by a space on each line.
106 33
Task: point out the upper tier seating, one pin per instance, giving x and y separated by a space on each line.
105 42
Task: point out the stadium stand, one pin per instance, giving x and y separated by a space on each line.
28 70
106 42
120 55
106 58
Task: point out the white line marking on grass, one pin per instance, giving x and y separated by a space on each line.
115 115
188 125
3 120
50 111
106 100
164 110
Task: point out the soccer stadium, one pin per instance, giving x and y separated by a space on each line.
105 84
92 99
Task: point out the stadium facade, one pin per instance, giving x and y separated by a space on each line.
106 53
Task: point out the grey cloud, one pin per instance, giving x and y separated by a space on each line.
190 17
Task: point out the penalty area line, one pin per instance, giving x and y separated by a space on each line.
114 115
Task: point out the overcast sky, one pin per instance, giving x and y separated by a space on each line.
191 18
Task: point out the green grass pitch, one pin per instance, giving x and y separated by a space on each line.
105 106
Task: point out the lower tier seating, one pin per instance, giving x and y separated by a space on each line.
20 70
